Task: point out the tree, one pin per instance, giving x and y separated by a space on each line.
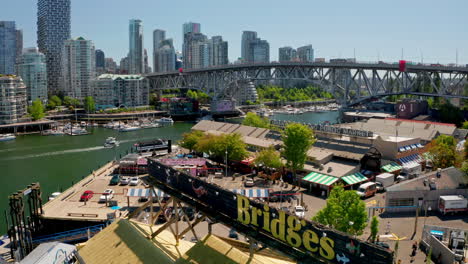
89 104
465 125
297 140
464 167
252 119
217 146
55 100
189 140
443 151
36 110
450 114
345 211
269 158
465 147
67 101
374 228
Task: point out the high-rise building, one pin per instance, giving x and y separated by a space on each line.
145 62
7 47
218 51
79 67
53 29
124 65
305 53
260 50
191 49
100 59
113 90
286 54
158 36
19 43
12 99
253 48
191 27
166 56
136 50
33 70
111 65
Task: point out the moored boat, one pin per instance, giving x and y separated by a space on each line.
7 137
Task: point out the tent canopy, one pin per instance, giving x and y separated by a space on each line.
136 192
322 179
354 178
392 167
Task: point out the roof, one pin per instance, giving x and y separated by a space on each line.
138 192
319 178
451 178
452 197
49 253
354 178
391 167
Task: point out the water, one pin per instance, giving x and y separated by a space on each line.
311 117
57 161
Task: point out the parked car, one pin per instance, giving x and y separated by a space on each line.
285 208
86 196
249 182
106 195
134 181
367 189
124 181
115 180
233 234
299 211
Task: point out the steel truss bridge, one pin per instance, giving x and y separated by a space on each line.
350 83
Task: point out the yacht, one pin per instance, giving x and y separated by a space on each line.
149 125
53 132
111 142
127 128
166 120
7 137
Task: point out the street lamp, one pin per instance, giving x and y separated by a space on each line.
226 162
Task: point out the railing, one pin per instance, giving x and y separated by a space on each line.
70 235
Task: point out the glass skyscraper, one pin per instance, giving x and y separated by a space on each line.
7 47
53 29
135 54
33 70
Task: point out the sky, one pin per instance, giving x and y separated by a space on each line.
420 30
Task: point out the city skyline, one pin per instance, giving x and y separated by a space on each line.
333 32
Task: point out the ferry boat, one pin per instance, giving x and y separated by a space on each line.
111 142
153 145
7 137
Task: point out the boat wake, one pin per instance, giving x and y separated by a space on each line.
55 153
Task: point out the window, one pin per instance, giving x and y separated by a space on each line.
401 202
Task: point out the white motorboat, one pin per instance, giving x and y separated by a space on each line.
7 137
150 125
76 131
54 195
53 132
126 128
166 120
111 142
111 125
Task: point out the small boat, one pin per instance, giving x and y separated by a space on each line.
7 137
53 132
150 125
54 195
126 128
166 120
111 142
76 131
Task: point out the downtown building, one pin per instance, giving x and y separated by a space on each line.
79 67
166 59
13 99
302 54
8 47
158 36
110 65
136 61
32 68
254 49
117 90
100 61
53 29
192 50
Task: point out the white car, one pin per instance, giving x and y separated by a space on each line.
299 211
124 180
134 181
106 195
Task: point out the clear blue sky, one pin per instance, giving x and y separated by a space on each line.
375 29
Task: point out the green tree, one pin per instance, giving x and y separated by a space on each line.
465 125
189 140
89 104
252 119
465 147
443 151
450 114
374 228
269 158
36 110
297 140
345 211
67 101
55 100
464 167
217 146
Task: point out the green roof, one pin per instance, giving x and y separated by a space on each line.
354 178
319 178
392 167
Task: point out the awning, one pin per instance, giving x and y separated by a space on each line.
401 149
354 178
391 167
135 192
414 146
415 158
419 145
256 193
239 191
319 178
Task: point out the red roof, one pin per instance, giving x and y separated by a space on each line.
418 121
